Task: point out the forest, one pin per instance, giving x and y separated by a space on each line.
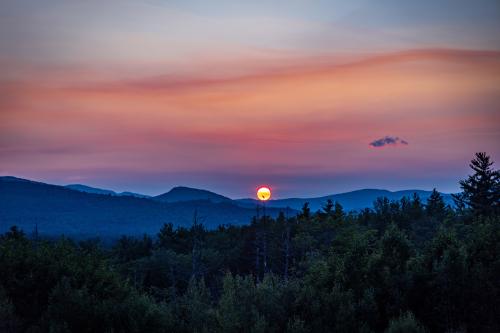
400 266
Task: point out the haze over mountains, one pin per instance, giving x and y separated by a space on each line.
181 193
61 210
95 190
353 200
80 210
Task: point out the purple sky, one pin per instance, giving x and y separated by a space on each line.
308 97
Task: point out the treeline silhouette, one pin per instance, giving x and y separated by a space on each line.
402 266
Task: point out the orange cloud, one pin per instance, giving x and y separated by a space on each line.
308 115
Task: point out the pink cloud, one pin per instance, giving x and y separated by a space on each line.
303 117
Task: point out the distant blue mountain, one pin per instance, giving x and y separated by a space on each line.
181 193
95 190
60 210
354 200
83 210
132 194
6 179
88 189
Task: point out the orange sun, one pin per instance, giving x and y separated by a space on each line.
264 193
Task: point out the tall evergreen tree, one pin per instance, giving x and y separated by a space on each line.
339 211
328 207
305 214
436 207
198 232
481 191
416 206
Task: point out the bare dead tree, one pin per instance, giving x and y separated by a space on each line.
286 245
197 230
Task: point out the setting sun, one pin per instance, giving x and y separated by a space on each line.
264 193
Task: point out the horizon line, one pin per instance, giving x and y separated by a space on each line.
231 198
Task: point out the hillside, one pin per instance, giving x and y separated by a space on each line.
95 190
181 193
354 200
84 210
89 189
59 210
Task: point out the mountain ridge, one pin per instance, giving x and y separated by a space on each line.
64 210
184 193
57 210
353 200
97 190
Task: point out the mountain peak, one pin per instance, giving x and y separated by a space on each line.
13 179
89 189
184 193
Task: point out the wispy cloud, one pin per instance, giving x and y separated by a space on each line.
186 127
388 140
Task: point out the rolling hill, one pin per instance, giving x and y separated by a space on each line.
181 193
87 211
95 190
60 210
354 200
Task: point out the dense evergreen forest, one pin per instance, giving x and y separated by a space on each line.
401 266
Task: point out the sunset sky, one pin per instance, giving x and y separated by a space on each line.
309 97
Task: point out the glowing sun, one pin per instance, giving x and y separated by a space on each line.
264 193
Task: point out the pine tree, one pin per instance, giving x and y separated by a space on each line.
436 207
305 214
166 236
481 191
328 207
198 232
339 211
416 206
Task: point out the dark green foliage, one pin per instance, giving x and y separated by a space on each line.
436 207
58 286
405 324
58 209
8 319
404 266
131 248
481 190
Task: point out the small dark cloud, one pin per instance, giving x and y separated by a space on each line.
388 140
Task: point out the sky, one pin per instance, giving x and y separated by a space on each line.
308 97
